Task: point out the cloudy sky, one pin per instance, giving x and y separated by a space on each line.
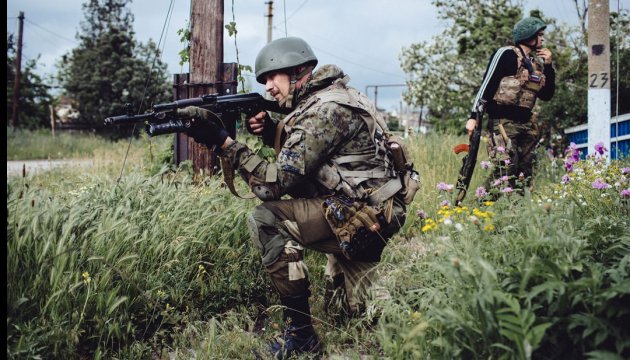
363 37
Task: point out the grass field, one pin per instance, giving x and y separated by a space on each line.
145 261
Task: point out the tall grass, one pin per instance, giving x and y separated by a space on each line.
158 265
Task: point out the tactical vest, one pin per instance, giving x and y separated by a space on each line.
336 175
522 89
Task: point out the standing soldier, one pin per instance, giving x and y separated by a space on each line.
515 77
348 196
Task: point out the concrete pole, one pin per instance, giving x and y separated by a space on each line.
269 20
598 74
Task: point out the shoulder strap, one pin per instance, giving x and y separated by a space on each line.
528 63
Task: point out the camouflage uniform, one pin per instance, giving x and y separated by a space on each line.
320 130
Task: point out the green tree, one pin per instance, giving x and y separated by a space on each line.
34 97
446 72
568 107
109 68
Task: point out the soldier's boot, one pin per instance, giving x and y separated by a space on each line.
299 335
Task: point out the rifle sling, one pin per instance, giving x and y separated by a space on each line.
228 178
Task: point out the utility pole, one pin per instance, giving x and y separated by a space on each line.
269 20
376 90
206 59
18 70
598 74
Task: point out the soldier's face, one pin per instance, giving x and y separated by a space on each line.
277 85
537 41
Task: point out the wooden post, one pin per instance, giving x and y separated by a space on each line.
18 70
206 57
53 123
598 74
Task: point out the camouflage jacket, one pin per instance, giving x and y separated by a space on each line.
316 133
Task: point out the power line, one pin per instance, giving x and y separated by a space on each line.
286 18
357 64
52 32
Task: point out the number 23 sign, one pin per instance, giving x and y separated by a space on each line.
598 80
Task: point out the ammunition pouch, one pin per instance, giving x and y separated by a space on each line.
356 225
408 176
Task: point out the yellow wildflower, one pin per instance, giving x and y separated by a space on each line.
430 225
86 277
488 227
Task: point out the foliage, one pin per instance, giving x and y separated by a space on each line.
35 99
446 72
548 279
157 265
120 69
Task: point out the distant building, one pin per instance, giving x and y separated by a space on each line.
66 111
619 146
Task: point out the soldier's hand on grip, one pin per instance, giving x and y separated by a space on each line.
470 126
256 124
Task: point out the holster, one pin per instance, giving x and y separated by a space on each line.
355 224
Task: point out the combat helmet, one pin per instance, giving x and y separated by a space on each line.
527 28
283 53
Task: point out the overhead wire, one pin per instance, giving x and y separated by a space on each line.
618 33
146 84
49 31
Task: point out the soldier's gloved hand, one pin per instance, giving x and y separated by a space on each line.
204 129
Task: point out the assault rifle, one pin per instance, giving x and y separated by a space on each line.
164 120
470 159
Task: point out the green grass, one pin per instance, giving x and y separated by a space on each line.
40 144
159 265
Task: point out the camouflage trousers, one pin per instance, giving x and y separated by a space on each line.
512 151
282 229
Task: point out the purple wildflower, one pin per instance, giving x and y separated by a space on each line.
566 179
600 148
625 171
445 203
507 161
568 165
505 178
496 182
481 192
421 214
625 193
507 190
444 186
600 184
501 149
486 165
